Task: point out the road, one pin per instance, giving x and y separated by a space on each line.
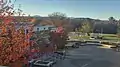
90 56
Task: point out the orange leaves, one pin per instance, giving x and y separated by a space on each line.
12 46
12 42
7 20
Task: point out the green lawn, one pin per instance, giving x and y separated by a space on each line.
109 35
106 37
80 37
112 37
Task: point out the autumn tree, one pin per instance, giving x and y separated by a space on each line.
85 28
61 21
14 41
58 38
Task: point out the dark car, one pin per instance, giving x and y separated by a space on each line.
76 45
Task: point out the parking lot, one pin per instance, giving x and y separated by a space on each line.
84 56
90 56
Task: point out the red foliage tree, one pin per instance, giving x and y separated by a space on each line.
13 41
58 38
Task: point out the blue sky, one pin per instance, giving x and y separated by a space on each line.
98 9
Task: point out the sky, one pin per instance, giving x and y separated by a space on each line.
97 9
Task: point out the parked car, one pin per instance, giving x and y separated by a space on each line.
76 45
40 63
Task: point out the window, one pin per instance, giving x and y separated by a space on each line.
37 29
44 28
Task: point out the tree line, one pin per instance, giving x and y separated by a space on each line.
110 26
88 25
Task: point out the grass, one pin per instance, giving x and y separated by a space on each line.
111 37
106 37
80 37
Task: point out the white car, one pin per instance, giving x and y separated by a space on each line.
40 63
